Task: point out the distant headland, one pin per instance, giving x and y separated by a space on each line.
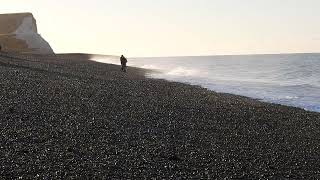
18 33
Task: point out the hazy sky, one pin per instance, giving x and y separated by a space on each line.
175 27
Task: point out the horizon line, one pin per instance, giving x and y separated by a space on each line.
245 54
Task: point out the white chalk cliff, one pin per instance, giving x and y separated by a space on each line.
18 33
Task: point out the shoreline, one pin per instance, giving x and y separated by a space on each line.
70 117
151 71
275 84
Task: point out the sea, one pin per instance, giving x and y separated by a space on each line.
287 79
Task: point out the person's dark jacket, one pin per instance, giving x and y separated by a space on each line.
123 60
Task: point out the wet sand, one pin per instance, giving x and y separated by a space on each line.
66 117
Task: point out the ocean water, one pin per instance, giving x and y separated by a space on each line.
288 79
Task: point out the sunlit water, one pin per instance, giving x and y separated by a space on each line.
288 79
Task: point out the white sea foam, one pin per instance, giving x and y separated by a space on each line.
181 71
292 79
105 59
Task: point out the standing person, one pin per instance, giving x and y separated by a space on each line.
123 61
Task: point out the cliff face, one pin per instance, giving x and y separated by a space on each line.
18 33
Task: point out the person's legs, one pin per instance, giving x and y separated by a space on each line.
124 68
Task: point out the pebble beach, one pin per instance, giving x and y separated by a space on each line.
66 117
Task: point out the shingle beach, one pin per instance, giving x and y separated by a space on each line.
63 116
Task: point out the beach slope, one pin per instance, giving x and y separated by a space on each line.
65 116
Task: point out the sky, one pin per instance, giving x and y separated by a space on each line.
151 28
